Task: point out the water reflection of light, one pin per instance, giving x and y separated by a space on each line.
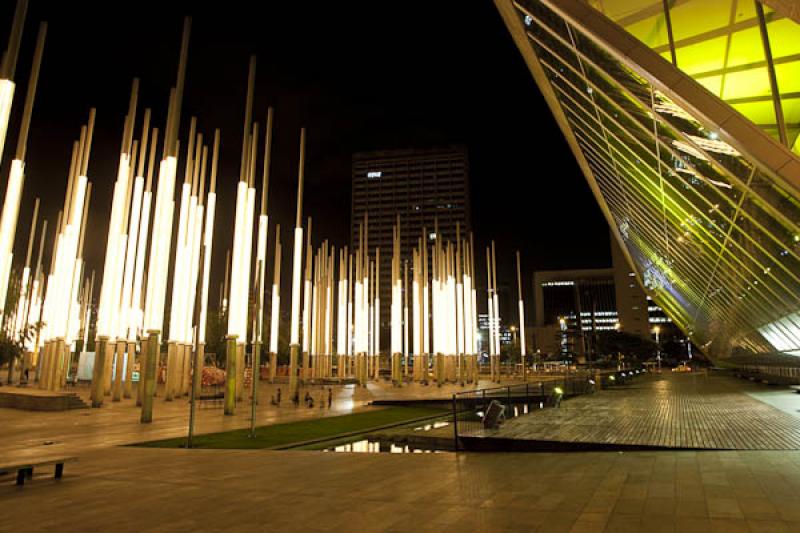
368 446
435 425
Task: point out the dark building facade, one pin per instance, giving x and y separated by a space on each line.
426 188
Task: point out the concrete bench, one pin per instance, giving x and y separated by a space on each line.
25 469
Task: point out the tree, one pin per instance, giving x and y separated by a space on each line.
629 345
13 348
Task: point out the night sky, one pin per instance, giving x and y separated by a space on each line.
358 76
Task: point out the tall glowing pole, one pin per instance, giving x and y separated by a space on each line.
7 68
405 320
417 312
297 266
137 304
20 318
275 317
208 241
496 312
490 316
237 299
113 267
426 320
376 320
180 273
521 320
341 315
16 178
308 291
396 307
261 252
162 234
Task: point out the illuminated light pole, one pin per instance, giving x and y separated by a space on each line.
459 330
7 68
127 329
72 329
490 314
58 299
329 314
208 241
175 343
341 316
261 255
416 312
196 249
426 317
312 265
162 234
33 315
308 305
496 313
240 267
350 287
376 317
16 178
406 348
657 331
522 350
360 317
116 243
246 263
137 312
396 307
275 317
21 316
297 266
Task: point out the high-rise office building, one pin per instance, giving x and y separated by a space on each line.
426 188
684 118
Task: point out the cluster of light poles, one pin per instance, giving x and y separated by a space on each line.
335 319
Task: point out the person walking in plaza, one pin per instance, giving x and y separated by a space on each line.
278 397
330 397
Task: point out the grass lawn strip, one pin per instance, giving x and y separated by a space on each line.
303 431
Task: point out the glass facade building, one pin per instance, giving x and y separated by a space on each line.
690 159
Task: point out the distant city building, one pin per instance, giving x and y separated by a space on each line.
425 187
582 303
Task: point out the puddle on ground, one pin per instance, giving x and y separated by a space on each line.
435 425
378 446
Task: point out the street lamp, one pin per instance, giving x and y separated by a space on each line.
657 331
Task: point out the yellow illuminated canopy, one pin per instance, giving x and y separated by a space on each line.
718 43
708 216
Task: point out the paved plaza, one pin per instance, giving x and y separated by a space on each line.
690 411
134 489
120 488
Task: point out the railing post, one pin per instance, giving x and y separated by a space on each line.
455 423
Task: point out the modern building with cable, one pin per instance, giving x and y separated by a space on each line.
684 118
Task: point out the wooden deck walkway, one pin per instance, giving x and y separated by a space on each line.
670 411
